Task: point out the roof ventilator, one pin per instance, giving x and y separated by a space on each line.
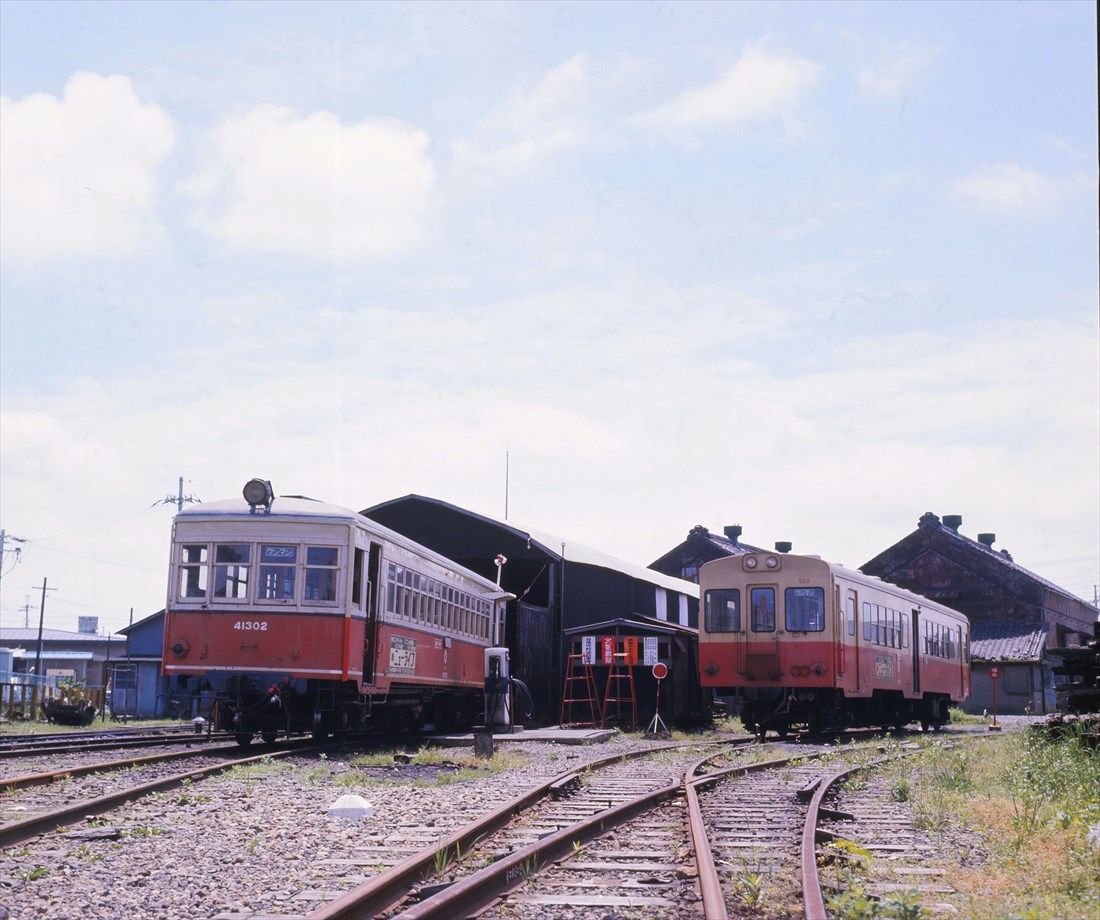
953 522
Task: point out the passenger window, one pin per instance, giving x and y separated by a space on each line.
868 622
763 609
231 570
804 609
723 611
193 570
321 568
851 615
277 570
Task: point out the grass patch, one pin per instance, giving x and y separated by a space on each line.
1032 800
447 757
31 727
958 717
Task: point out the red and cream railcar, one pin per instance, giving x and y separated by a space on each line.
804 642
305 616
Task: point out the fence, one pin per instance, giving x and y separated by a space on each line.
25 697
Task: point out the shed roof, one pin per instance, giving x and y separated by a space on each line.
558 547
54 654
1007 640
22 635
647 624
152 616
930 522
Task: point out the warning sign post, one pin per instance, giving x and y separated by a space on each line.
657 728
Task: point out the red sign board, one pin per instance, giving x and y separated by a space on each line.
630 648
994 673
608 643
660 670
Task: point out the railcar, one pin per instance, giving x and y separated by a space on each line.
307 617
803 642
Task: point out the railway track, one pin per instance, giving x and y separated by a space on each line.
650 838
45 818
65 745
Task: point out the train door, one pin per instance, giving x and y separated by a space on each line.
852 632
916 653
838 633
371 603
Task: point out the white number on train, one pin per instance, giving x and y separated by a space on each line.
260 625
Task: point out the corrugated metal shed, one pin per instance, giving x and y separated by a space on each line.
1007 640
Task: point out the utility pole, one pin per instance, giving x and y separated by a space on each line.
27 613
41 622
4 537
179 499
507 470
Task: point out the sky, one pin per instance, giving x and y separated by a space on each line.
814 269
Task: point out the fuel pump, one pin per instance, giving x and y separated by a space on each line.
497 690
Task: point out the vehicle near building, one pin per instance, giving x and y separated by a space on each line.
309 617
801 641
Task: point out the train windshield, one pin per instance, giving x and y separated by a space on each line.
805 609
763 609
723 611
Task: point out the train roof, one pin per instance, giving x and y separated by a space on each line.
300 507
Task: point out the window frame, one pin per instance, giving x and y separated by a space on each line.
752 608
708 618
820 592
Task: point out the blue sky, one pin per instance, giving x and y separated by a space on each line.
811 268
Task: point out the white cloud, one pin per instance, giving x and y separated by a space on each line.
313 186
552 115
633 410
1010 189
759 86
80 172
896 74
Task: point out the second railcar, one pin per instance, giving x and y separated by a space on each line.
803 642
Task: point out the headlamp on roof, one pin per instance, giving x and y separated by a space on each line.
257 492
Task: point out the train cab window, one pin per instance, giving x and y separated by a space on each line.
763 609
277 570
321 569
357 580
851 615
231 570
804 609
723 611
193 570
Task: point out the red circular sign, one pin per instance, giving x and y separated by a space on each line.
994 673
660 670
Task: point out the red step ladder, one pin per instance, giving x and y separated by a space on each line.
620 689
572 695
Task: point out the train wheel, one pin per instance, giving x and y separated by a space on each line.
269 737
244 739
319 730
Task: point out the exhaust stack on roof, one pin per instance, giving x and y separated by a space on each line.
732 532
953 521
782 547
987 539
